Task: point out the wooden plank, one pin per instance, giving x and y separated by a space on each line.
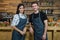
52 33
5 35
57 35
49 28
49 33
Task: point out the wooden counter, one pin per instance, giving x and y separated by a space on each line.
53 33
5 33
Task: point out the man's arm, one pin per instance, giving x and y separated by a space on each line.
46 26
45 30
31 29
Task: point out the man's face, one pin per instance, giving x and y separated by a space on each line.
35 7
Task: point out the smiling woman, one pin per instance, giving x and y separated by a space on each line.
18 23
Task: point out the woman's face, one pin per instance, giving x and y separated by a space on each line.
21 9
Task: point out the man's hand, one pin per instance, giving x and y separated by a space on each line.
31 30
44 37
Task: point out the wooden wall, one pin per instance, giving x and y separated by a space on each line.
9 5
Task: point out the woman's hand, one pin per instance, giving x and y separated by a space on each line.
44 37
22 32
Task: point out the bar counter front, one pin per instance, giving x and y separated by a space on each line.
53 33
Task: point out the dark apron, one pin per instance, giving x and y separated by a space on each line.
16 35
38 27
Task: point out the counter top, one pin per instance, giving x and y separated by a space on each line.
49 28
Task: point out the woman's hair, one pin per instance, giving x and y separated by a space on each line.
17 12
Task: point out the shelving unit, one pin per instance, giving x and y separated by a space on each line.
50 7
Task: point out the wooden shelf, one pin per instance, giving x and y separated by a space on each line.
43 8
6 28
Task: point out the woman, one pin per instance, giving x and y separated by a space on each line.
18 24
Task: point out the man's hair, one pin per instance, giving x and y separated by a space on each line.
35 2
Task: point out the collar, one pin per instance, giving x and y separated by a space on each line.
36 12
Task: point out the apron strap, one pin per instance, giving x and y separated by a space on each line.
19 16
40 17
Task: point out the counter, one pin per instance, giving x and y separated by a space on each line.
53 33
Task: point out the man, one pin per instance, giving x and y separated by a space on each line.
39 21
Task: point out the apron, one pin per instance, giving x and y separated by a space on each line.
38 27
16 35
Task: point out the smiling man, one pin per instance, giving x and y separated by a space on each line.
39 21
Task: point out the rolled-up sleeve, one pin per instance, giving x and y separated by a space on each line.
14 21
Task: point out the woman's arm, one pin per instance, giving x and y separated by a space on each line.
15 22
18 30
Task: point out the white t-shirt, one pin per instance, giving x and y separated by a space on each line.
16 20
